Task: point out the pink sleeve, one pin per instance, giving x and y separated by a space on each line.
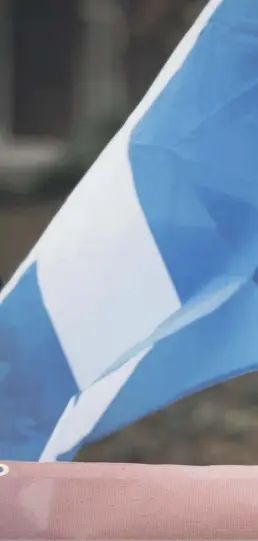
123 501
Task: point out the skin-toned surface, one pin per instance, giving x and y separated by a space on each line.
125 501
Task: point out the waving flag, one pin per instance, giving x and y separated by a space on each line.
143 289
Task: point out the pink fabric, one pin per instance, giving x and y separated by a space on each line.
123 501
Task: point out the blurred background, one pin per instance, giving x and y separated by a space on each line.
70 73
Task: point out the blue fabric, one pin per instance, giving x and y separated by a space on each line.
213 349
194 155
35 382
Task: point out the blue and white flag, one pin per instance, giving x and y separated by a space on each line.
143 288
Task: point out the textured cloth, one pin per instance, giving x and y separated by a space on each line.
122 501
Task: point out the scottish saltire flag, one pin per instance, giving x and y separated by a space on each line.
144 288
